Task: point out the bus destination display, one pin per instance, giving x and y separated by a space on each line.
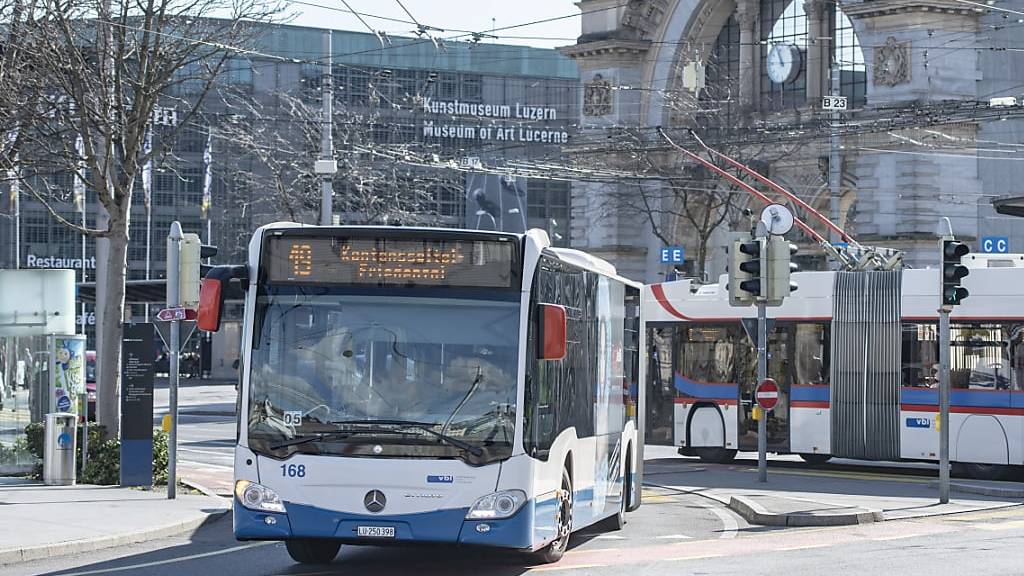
390 262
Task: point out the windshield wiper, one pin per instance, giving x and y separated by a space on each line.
341 433
424 426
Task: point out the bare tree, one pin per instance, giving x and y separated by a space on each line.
377 182
683 201
80 93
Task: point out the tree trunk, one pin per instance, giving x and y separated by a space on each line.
110 318
702 257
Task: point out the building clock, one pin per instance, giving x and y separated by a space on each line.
784 63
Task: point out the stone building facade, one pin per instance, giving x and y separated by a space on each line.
913 71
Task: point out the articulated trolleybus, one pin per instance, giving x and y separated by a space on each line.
856 358
406 385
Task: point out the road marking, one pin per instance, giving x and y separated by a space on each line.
207 465
609 537
674 537
553 568
172 560
851 475
803 547
694 557
729 526
1013 525
897 537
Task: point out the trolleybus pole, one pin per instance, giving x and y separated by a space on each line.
944 405
762 374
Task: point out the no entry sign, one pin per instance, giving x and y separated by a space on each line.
767 394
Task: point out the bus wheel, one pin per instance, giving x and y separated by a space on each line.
716 455
984 471
553 552
816 459
312 551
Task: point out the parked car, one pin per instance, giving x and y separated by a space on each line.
90 384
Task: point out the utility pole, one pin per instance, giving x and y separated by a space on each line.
326 167
835 161
951 293
944 404
173 301
762 374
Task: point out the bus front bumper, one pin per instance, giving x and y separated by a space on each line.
440 526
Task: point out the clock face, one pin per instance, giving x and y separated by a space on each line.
777 219
784 63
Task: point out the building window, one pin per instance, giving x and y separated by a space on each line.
448 86
548 208
783 22
472 88
849 57
721 79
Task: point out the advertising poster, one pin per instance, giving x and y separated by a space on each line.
495 202
67 374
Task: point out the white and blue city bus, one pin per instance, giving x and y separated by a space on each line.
413 385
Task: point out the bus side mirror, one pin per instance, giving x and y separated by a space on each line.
551 337
215 289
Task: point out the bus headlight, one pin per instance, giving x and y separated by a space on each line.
258 497
497 505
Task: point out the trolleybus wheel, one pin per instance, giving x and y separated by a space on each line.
716 455
553 552
816 459
312 551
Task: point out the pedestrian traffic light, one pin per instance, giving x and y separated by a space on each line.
745 271
953 271
779 268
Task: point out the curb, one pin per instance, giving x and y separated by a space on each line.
13 556
982 490
754 513
203 489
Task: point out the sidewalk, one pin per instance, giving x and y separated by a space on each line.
58 520
806 496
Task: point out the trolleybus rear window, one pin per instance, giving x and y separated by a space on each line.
386 262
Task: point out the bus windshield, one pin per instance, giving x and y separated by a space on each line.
329 361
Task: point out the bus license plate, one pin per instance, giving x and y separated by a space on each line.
376 531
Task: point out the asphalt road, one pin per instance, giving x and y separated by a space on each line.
670 534
665 520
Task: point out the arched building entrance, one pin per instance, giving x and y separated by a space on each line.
748 77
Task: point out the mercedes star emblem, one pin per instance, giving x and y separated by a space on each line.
375 501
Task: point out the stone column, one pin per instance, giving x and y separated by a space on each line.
747 14
817 50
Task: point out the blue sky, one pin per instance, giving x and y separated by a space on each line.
454 16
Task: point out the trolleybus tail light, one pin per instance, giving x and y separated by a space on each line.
497 505
258 497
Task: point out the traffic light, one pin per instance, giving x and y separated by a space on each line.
779 268
745 271
191 269
953 271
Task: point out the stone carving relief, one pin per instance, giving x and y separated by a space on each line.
643 16
597 97
892 63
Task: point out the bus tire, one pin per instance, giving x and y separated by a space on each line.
816 459
553 552
716 455
984 471
312 551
